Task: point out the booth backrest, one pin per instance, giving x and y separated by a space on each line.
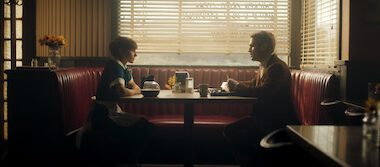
213 76
75 88
45 104
77 85
309 89
63 96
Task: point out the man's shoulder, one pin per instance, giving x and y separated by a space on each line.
278 68
278 64
275 60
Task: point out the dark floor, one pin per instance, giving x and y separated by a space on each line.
3 152
179 165
4 162
210 147
166 149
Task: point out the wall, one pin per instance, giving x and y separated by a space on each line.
364 58
86 24
364 35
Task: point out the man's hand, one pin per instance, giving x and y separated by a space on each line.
232 84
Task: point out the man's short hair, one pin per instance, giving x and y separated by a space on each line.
265 37
121 43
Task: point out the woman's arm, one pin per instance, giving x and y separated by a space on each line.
131 89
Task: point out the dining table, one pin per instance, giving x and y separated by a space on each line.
337 145
188 100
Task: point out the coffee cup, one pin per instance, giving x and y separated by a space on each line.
203 90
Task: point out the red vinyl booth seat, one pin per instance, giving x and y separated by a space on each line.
77 85
44 105
309 89
63 96
75 88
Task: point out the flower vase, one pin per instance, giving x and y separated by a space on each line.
54 58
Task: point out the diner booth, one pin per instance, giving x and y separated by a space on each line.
49 92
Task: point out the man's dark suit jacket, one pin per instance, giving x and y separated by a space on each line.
274 108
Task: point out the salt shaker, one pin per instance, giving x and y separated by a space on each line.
34 63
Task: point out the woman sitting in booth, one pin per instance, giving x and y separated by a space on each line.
119 136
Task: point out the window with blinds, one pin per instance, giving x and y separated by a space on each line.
320 33
198 27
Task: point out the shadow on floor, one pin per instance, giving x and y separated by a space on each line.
210 147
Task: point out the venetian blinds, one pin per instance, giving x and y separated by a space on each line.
198 26
320 33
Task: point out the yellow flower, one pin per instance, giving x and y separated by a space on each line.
53 41
171 81
371 105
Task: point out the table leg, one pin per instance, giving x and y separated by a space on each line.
188 128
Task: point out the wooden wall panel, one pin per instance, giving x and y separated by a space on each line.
84 23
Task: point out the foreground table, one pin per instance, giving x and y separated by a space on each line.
336 145
188 99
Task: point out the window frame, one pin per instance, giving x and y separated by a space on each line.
2 121
13 60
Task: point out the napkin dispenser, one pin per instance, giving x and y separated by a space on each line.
180 83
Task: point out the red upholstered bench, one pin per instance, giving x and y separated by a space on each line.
63 95
309 89
56 102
